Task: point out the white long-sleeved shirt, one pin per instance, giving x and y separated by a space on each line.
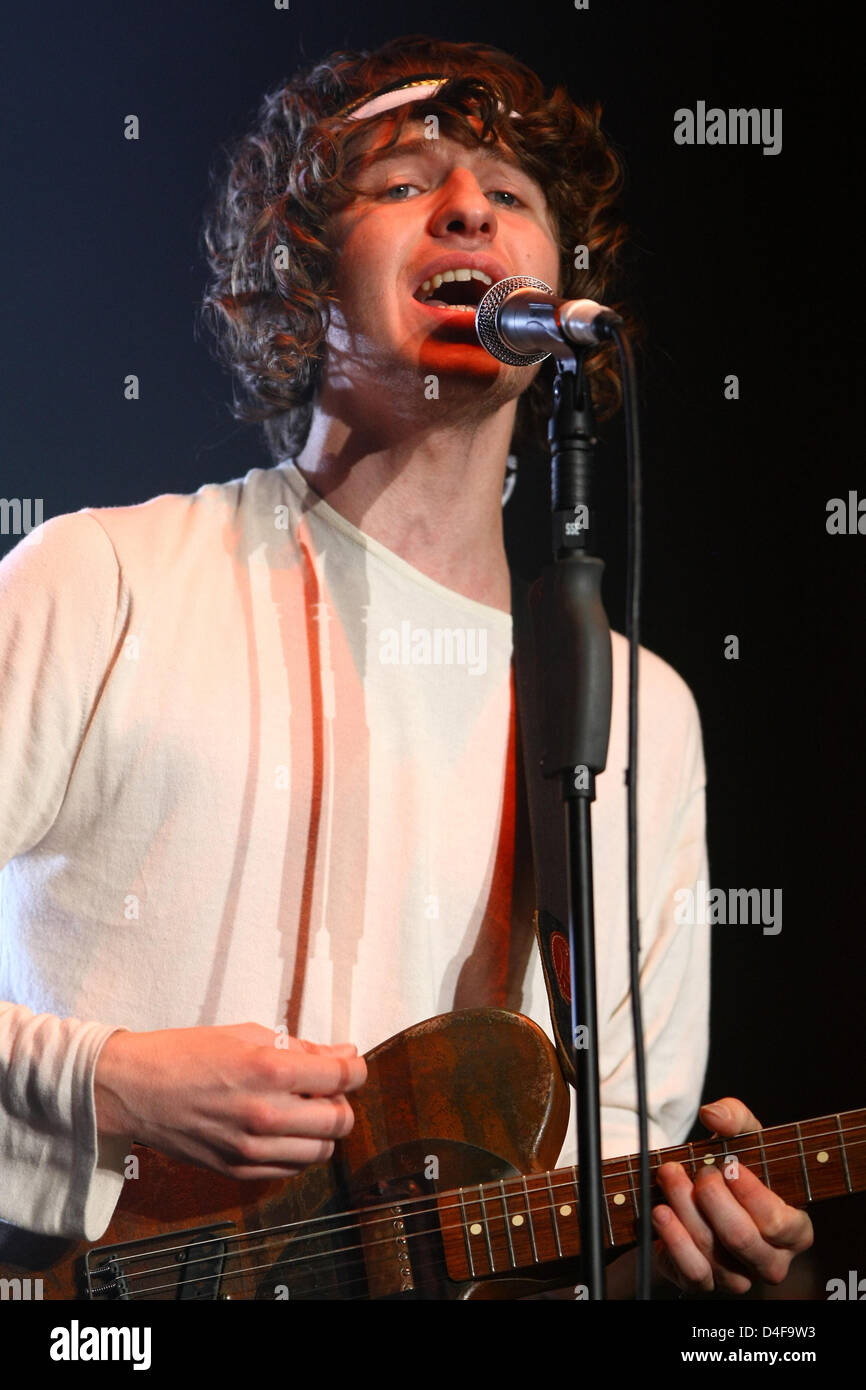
252 767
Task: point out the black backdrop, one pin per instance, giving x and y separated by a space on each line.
743 263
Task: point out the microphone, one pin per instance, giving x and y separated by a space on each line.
521 321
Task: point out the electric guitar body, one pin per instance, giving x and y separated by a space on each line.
452 1102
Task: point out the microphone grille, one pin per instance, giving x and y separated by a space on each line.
486 320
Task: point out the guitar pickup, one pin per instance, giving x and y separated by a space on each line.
180 1265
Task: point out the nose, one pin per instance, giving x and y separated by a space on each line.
462 208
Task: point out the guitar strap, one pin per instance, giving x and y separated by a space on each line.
540 840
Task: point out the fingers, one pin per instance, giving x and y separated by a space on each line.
280 1041
331 1049
722 1231
303 1071
292 1108
740 1205
284 1160
687 1236
736 1229
277 1139
350 1077
690 1267
314 1118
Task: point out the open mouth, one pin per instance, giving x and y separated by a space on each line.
462 288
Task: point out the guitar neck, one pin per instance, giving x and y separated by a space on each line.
516 1223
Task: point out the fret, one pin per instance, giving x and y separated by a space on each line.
507 1225
486 1228
632 1184
844 1154
654 1174
764 1164
553 1217
607 1206
803 1164
464 1221
728 1152
530 1221
692 1160
576 1187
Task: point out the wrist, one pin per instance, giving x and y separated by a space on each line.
113 1119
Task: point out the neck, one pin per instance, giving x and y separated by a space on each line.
433 497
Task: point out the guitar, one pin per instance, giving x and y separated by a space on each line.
443 1189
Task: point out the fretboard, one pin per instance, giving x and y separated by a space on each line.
516 1223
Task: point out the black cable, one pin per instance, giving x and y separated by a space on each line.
633 595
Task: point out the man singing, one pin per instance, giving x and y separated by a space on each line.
258 742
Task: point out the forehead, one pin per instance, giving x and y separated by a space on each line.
379 144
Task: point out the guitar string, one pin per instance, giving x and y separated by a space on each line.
326 1229
385 1207
336 1257
437 1209
330 1255
356 1253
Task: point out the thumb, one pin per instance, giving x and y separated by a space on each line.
728 1117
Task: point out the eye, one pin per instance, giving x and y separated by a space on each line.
397 192
504 193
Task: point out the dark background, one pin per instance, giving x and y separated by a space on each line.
742 263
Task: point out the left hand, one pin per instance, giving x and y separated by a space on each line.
721 1233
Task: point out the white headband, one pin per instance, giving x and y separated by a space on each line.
413 91
416 90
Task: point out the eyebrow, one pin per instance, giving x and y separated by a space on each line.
423 146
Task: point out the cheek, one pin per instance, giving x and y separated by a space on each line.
365 264
553 264
540 257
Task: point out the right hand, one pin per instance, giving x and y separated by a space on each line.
227 1098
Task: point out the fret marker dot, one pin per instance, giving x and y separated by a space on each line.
709 1158
823 1156
565 1211
618 1198
517 1220
475 1229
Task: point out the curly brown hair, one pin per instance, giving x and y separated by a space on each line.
269 314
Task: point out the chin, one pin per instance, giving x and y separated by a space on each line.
461 358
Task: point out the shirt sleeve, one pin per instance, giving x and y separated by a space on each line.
60 613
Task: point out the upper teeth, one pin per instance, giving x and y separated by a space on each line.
464 273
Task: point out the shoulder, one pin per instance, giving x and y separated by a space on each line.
170 517
64 568
86 563
170 530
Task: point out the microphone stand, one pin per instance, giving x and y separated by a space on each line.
574 675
